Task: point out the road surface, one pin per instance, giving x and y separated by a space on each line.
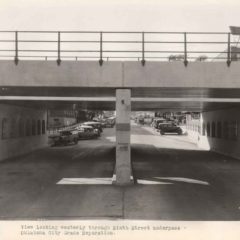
175 181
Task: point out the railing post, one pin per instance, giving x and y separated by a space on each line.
59 49
101 49
143 49
16 60
185 50
229 50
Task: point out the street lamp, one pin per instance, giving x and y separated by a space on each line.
235 30
235 50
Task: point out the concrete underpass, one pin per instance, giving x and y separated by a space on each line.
174 180
130 172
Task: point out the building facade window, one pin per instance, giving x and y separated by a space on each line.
13 128
43 127
219 129
28 128
199 129
225 130
208 129
21 128
5 128
213 130
203 129
33 127
233 130
39 127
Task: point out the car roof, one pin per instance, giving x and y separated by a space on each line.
85 126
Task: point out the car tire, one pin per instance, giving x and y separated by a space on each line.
179 133
162 133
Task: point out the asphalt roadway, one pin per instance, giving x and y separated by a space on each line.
174 180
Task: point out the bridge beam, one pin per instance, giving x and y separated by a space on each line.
123 132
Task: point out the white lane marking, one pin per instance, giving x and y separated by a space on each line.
85 181
149 182
180 179
114 177
109 181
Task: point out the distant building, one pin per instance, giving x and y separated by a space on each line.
61 118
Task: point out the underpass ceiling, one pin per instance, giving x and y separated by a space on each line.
155 99
110 92
136 106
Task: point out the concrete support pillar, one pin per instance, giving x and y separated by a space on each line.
123 150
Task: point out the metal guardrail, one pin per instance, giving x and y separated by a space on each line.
105 46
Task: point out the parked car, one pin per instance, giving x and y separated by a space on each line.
110 122
157 121
95 125
169 128
101 121
141 120
65 137
87 132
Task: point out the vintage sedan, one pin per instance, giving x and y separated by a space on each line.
87 132
169 127
95 125
64 137
157 121
110 122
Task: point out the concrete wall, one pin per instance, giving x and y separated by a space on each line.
120 74
15 138
225 139
192 129
175 74
68 74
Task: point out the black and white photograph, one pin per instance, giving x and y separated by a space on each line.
119 119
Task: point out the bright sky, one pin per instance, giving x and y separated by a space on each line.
119 15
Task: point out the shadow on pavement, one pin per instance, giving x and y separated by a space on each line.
176 184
